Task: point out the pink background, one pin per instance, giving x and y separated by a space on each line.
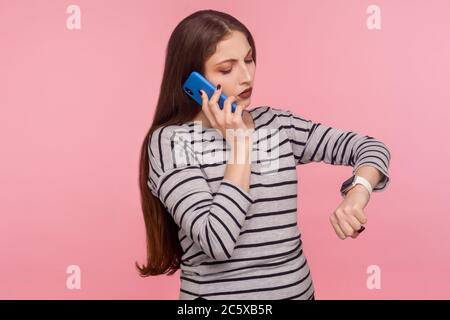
76 104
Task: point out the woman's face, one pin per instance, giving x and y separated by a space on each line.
232 66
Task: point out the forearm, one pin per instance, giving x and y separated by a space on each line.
238 168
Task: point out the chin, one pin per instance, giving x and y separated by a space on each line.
245 103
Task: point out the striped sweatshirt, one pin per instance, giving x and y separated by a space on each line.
247 245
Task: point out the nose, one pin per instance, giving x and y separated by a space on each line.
246 76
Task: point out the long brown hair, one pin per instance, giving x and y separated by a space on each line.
192 42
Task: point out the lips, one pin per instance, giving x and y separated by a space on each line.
247 93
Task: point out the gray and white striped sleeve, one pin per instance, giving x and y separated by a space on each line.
314 142
212 221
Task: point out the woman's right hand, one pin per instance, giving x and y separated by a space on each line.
224 119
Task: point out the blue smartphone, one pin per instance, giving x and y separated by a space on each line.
195 82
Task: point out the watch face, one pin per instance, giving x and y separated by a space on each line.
347 183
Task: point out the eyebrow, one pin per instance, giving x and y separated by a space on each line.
233 59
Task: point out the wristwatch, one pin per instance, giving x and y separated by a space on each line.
352 181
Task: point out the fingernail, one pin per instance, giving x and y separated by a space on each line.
361 229
219 86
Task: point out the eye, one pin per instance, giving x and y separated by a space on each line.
228 71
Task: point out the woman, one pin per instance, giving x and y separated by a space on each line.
221 205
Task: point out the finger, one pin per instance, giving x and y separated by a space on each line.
358 232
341 217
359 214
336 228
205 107
354 223
239 118
204 97
216 95
214 104
346 228
227 105
238 113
